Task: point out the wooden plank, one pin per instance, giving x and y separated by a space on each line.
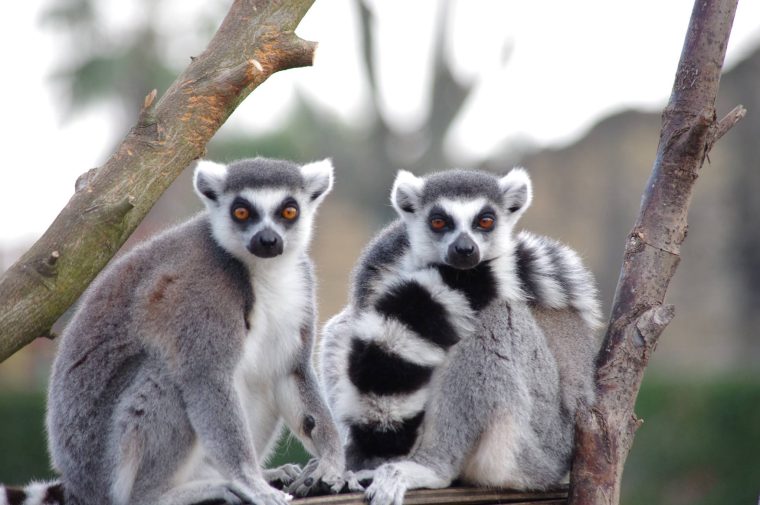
452 496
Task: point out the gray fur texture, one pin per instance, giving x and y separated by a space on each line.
187 354
495 355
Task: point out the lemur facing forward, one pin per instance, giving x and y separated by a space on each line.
464 350
174 376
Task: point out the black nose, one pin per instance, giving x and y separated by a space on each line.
266 244
464 249
463 253
268 239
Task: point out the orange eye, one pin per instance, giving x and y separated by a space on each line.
241 213
437 223
289 213
486 222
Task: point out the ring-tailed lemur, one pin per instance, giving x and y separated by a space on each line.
464 350
174 376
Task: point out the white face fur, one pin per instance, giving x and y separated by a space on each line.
258 223
461 232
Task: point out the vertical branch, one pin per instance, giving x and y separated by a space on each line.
605 431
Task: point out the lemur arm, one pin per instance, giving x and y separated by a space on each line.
302 405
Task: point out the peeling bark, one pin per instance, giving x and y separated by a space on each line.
255 40
605 431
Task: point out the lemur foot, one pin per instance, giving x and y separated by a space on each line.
262 494
388 486
282 475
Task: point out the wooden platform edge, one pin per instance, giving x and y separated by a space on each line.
452 496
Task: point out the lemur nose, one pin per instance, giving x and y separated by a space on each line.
464 249
268 240
266 244
463 253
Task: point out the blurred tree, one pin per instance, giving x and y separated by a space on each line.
118 70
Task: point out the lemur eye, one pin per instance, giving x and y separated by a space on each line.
289 213
486 222
241 213
438 223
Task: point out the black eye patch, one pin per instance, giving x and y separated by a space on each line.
485 220
243 213
288 212
439 220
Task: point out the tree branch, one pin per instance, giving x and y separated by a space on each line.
604 432
255 40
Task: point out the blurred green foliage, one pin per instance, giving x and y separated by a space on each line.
22 438
699 443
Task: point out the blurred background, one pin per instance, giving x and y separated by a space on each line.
571 90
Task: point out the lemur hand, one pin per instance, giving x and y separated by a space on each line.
323 476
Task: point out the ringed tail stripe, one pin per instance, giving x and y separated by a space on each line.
478 284
413 305
373 369
397 440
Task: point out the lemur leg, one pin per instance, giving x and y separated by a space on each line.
480 389
201 491
150 440
155 430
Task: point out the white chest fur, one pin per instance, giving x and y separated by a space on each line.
281 296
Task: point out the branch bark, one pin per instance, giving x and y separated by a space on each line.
605 431
255 40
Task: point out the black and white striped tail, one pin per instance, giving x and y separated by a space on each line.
36 493
553 275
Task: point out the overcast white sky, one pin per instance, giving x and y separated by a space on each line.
568 65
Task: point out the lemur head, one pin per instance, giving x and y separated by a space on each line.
262 208
460 218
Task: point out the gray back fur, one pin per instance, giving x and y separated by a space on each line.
133 318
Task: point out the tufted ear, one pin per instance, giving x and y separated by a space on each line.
517 190
208 180
406 192
318 178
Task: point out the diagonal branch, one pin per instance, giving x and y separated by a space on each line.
255 40
604 432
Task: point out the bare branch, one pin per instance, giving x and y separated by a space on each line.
605 431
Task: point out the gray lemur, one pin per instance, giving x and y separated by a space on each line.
464 350
174 376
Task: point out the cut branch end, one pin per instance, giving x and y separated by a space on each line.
725 124
150 98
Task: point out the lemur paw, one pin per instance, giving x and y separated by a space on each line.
282 475
387 488
262 494
322 476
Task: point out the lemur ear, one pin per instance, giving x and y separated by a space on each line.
208 180
318 178
406 192
517 190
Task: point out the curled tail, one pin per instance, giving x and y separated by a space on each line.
553 275
36 493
